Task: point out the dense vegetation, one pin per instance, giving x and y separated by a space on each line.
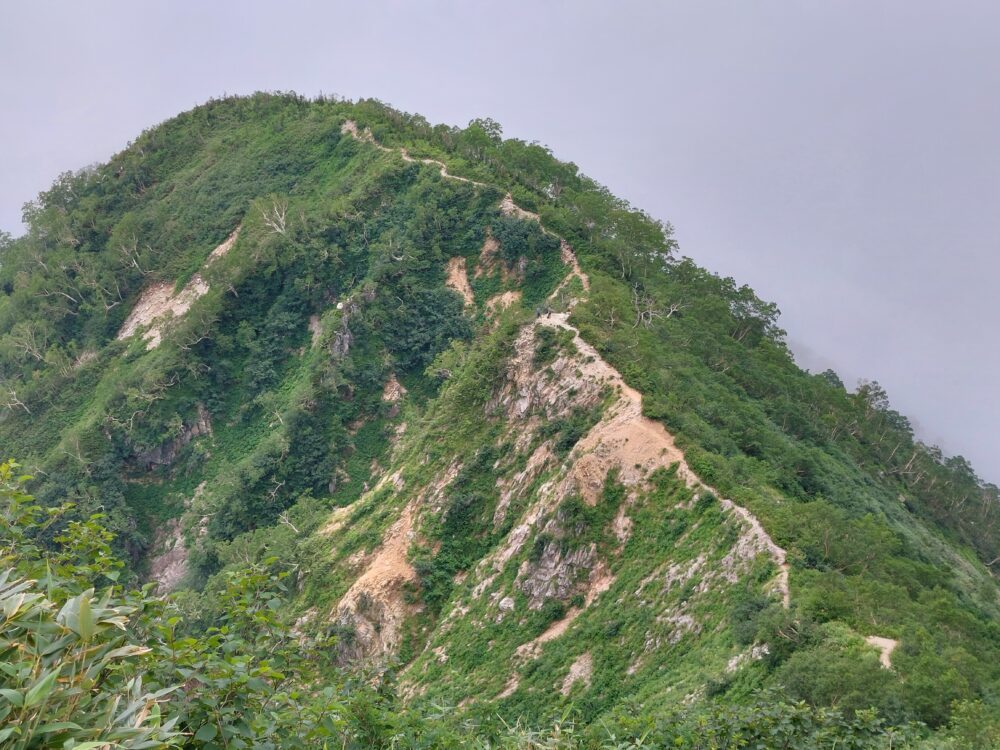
90 663
335 286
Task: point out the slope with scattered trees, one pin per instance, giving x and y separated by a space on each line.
328 395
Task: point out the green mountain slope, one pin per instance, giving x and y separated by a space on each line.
507 440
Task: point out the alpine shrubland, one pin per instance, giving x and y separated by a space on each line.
342 429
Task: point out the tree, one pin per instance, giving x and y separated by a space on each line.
74 673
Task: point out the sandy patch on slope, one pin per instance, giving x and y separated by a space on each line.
156 305
885 646
580 670
500 302
225 246
374 604
458 279
393 391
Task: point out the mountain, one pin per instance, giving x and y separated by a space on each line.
497 433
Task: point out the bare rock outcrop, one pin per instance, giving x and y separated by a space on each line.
166 453
556 573
158 303
168 565
371 613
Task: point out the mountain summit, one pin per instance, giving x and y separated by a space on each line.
502 439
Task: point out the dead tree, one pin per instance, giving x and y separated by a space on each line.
11 401
645 308
130 254
274 217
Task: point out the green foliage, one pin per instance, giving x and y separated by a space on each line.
842 674
466 532
568 430
73 672
286 358
84 669
585 523
549 342
768 722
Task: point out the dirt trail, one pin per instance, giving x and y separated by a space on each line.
638 445
634 444
507 205
509 208
569 258
624 438
351 128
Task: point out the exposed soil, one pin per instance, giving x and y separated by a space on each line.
393 391
488 254
458 279
569 258
500 302
885 646
580 670
509 688
316 329
156 304
374 606
224 247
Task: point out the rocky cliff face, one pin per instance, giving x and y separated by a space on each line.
165 453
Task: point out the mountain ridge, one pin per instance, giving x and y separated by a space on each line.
276 327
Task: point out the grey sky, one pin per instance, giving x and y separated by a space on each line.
842 158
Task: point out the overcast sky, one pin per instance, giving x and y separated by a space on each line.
842 158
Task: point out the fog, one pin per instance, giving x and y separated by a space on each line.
841 158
